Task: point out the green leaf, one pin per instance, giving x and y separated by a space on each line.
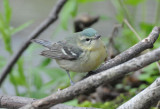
8 11
21 72
5 29
72 102
86 1
74 8
38 94
45 62
47 86
12 79
86 104
70 9
58 76
143 86
21 27
37 79
146 27
151 69
122 42
144 77
14 82
133 2
150 73
2 61
133 90
2 21
157 44
18 78
6 38
4 26
55 73
120 13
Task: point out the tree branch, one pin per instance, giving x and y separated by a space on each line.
98 79
145 99
14 102
129 53
83 21
53 16
133 51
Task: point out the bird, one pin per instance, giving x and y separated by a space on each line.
83 51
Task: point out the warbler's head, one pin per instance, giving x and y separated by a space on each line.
90 39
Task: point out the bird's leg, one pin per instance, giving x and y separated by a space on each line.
71 82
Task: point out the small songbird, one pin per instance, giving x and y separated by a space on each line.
82 52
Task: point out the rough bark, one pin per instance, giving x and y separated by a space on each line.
133 51
14 102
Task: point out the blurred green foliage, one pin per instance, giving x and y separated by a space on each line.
41 80
106 105
70 9
5 29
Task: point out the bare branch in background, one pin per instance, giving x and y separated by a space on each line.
106 76
53 16
145 99
14 102
83 21
110 46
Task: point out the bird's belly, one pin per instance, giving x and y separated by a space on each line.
86 63
73 65
95 59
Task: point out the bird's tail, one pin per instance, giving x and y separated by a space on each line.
42 42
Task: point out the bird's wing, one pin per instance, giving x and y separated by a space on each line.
60 50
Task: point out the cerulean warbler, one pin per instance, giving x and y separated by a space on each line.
82 52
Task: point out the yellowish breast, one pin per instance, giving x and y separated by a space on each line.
89 60
96 58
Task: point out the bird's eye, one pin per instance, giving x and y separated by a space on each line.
87 39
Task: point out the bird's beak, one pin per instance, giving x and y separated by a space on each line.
97 36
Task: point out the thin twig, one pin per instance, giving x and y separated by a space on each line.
96 80
138 37
53 16
158 105
132 29
110 46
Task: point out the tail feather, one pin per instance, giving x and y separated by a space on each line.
49 54
43 42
